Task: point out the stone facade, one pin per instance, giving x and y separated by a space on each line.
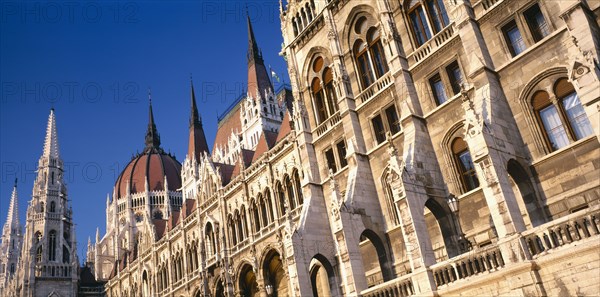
432 148
48 264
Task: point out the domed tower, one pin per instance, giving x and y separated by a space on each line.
145 196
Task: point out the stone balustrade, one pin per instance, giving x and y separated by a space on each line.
328 124
474 262
376 88
572 228
53 270
399 287
433 44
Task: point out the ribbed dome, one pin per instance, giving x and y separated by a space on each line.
152 166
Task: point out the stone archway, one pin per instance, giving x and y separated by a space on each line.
322 277
274 274
248 287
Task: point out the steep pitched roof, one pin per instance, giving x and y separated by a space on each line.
265 143
231 122
197 141
285 127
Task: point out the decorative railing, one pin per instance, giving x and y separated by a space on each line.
376 88
434 43
563 231
475 262
328 124
483 7
399 287
487 4
53 270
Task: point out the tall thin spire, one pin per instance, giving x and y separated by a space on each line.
12 220
197 142
254 54
51 142
195 116
258 77
152 136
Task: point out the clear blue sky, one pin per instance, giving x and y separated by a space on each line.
93 62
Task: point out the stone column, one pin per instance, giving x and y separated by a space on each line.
585 52
410 197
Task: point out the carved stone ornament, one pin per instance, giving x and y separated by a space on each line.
473 125
488 172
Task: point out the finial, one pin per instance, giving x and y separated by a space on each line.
16 179
150 95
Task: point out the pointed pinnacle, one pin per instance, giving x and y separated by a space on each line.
51 142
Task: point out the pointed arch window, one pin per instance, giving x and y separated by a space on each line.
363 63
563 119
52 246
368 52
323 90
465 165
38 254
66 255
52 206
427 18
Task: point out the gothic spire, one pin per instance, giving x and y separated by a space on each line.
12 219
197 142
51 142
259 81
194 117
254 54
152 136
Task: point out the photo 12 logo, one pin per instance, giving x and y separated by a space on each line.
69 91
44 12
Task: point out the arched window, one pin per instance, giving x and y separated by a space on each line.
427 17
332 103
319 97
41 206
52 206
12 268
363 63
322 90
290 193
38 254
66 255
563 120
368 52
52 246
256 217
376 51
465 165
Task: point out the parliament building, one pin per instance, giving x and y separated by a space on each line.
423 147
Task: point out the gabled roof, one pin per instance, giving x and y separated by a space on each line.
265 143
285 127
229 123
160 227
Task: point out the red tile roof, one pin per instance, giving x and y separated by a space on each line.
265 143
285 127
230 123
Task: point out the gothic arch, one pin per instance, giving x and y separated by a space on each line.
525 190
313 53
525 101
383 261
274 273
246 284
318 268
443 216
451 171
357 11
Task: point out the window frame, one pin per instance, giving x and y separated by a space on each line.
556 101
431 30
385 121
461 170
522 24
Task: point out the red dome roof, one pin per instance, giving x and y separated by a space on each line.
152 166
